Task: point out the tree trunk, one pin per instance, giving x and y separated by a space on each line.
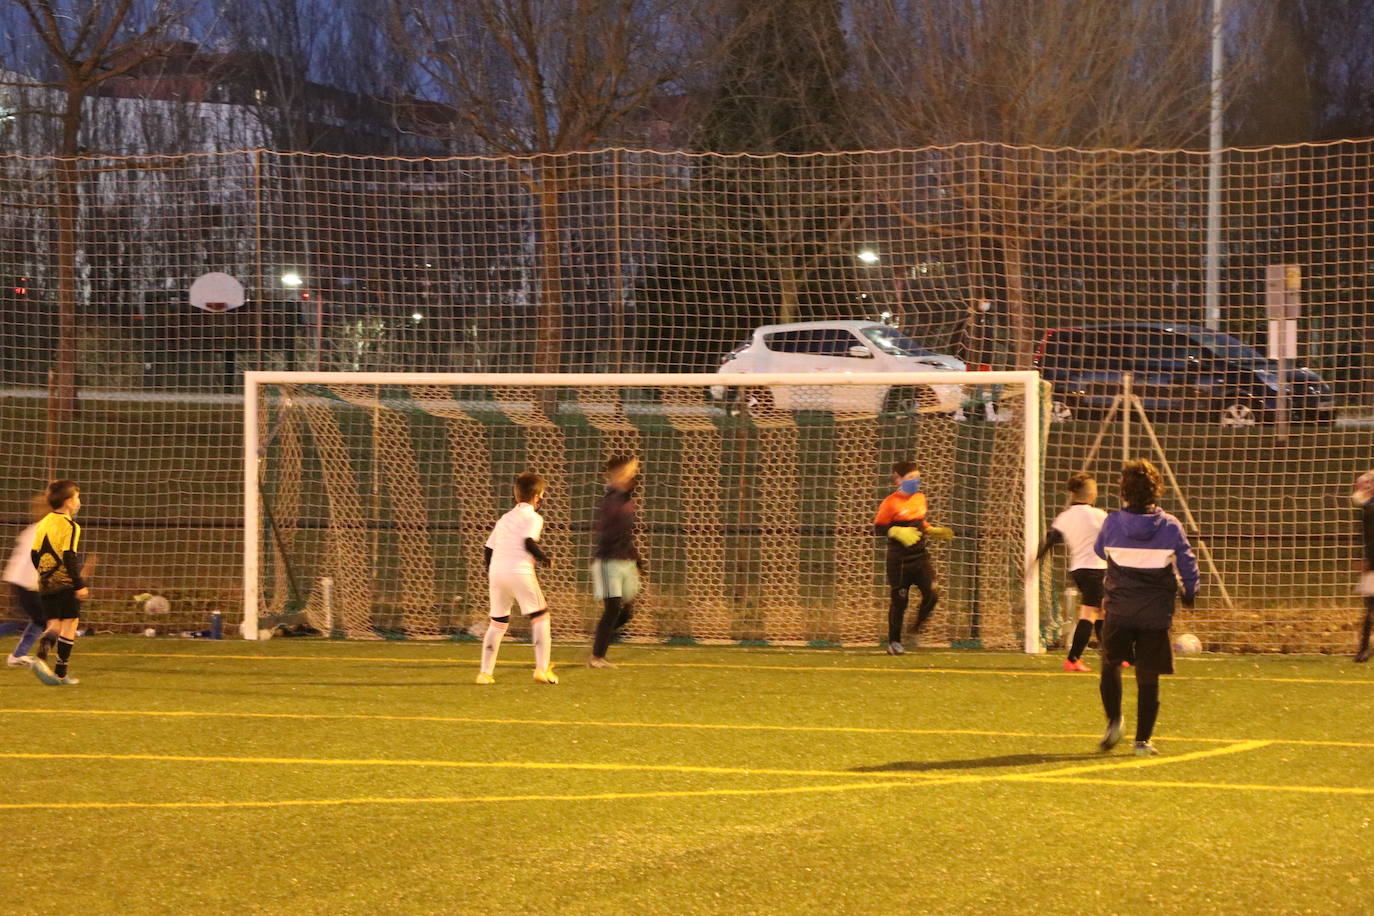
788 295
548 344
67 213
1013 260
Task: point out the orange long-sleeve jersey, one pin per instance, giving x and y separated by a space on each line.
901 509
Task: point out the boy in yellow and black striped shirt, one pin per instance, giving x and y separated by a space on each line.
56 555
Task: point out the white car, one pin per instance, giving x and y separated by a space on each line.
844 347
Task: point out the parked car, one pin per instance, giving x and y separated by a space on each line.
843 347
1179 372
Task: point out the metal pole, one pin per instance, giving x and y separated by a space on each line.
251 531
1126 398
1031 517
1212 316
1281 394
1102 428
1203 550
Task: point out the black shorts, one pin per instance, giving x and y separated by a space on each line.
917 570
1089 585
28 603
1150 651
62 605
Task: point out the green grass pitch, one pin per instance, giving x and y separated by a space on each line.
308 777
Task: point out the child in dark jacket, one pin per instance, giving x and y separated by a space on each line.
1147 556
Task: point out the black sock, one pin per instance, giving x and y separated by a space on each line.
627 613
45 645
1368 623
1110 688
64 652
896 613
1097 631
606 626
1147 708
1081 633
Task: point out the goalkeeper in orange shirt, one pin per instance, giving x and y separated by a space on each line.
901 522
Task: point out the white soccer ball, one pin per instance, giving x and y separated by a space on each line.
150 632
156 604
264 634
1187 644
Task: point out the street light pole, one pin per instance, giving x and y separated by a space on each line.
1212 316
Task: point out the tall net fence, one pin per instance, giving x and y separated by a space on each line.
1092 264
375 501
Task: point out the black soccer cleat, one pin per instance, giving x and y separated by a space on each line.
1112 737
1362 655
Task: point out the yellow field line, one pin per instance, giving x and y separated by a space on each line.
1232 786
456 800
608 723
579 723
720 666
1066 775
462 764
1138 762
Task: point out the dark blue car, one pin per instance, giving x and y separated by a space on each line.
1180 373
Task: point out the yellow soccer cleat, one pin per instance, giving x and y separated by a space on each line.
546 676
484 678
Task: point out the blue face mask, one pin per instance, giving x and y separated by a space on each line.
910 486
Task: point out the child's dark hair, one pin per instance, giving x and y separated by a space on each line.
1079 482
903 468
59 491
528 485
616 463
1141 485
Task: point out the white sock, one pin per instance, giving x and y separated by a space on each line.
539 632
491 644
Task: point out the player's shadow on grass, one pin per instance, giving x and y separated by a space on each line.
975 763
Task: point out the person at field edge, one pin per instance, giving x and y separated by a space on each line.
510 554
1363 497
1077 528
901 522
616 562
1147 555
23 580
56 556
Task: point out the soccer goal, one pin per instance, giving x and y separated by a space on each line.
369 496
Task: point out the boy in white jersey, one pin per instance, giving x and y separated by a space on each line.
511 552
1077 528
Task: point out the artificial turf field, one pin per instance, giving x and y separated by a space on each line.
302 776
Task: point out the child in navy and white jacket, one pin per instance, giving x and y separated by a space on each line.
1147 556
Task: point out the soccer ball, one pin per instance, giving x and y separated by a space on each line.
1187 644
156 604
150 632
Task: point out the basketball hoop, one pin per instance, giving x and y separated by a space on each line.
216 292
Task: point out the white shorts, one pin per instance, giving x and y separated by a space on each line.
517 585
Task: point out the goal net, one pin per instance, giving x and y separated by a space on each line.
369 498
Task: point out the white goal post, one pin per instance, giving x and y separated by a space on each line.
361 465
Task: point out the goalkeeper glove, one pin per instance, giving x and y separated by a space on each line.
903 535
939 533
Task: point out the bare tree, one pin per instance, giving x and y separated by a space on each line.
1017 81
80 45
537 78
